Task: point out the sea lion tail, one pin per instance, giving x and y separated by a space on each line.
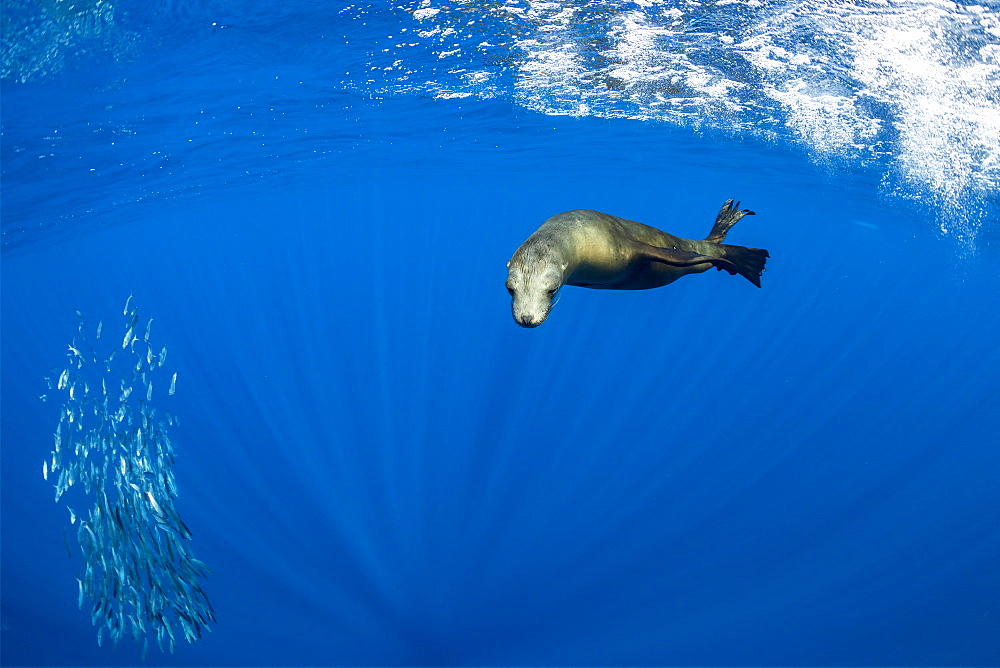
729 215
749 261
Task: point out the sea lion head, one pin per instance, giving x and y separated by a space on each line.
534 277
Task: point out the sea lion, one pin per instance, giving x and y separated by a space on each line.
591 249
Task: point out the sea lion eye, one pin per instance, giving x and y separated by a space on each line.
552 291
510 291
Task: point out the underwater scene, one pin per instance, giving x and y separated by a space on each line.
362 334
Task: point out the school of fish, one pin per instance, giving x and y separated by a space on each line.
139 577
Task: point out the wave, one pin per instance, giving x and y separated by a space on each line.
908 88
914 84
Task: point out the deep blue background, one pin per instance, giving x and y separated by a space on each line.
380 467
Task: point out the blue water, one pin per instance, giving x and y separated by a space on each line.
379 466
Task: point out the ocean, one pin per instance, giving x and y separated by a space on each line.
256 341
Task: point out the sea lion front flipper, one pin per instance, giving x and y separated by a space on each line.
729 215
683 258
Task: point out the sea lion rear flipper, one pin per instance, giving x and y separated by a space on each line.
749 261
729 215
684 258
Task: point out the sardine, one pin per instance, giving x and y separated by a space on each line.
127 339
203 569
127 302
148 326
163 525
154 504
163 355
168 480
45 470
149 392
63 380
173 384
100 324
170 632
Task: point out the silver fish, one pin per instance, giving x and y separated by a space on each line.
173 384
127 339
127 302
63 380
100 324
153 503
148 326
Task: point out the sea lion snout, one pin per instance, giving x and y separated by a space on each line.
530 313
527 321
